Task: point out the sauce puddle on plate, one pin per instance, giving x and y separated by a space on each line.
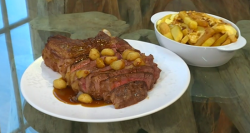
66 95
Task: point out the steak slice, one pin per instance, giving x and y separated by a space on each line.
128 94
61 52
94 83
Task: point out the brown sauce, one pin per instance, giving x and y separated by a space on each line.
66 95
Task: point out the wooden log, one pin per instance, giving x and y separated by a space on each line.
53 7
160 5
147 8
234 10
74 6
180 5
130 11
136 13
112 7
105 6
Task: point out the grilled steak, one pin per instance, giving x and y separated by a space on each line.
122 87
128 94
61 52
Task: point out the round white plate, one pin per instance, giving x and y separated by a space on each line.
37 89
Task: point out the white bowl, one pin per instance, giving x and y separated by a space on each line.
197 55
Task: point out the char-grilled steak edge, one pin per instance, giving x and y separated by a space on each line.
123 87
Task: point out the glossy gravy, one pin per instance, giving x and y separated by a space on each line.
66 95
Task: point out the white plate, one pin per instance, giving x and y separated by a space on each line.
37 88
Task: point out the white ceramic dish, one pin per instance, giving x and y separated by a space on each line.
197 55
37 86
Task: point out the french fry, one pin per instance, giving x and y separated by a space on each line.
194 15
184 26
198 18
209 42
200 31
225 28
187 20
202 23
196 28
232 38
192 38
190 43
169 35
185 39
164 28
208 33
219 41
166 17
228 41
212 20
217 36
185 32
176 32
200 28
171 19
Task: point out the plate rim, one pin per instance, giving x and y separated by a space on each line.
112 119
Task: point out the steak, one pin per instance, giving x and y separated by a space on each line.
61 52
122 87
128 94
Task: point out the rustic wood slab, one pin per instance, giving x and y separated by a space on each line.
233 10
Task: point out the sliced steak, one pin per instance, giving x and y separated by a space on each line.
61 52
128 94
121 87
92 83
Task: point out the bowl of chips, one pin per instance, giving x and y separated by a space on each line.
201 39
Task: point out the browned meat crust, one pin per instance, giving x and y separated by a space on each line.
60 52
123 87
